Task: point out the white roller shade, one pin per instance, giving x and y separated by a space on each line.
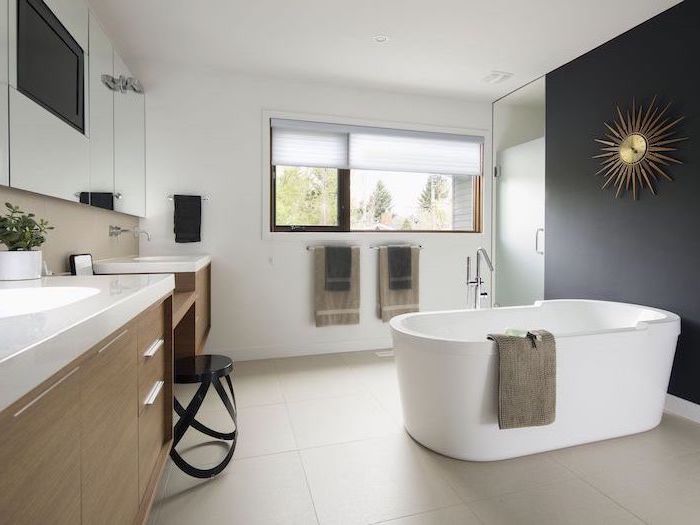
422 153
294 144
313 144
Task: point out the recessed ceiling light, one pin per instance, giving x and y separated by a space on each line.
496 77
380 39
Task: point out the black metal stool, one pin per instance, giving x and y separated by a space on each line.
207 370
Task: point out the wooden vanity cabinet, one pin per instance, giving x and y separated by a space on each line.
89 445
40 454
154 413
109 430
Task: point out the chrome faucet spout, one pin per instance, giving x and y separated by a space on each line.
116 231
487 259
138 231
478 282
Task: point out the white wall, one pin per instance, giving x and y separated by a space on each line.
204 135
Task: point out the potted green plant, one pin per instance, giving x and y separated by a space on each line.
21 233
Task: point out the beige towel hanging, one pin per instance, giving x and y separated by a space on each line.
333 307
392 302
527 383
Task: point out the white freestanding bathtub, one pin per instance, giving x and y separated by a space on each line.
613 367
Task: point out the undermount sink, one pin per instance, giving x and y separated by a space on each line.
152 264
164 258
22 301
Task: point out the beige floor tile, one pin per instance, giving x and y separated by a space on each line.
377 376
256 383
338 420
372 480
658 491
316 377
476 480
389 398
570 502
457 515
254 491
675 436
349 400
262 430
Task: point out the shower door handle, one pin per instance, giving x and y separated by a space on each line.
537 241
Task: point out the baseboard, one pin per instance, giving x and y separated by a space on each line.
294 350
681 407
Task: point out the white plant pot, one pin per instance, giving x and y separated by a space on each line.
20 265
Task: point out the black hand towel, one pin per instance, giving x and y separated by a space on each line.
99 199
338 268
188 218
399 267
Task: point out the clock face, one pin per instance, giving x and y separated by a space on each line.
638 149
633 148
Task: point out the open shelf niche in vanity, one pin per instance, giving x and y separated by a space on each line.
191 299
191 311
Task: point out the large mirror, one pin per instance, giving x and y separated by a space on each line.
519 150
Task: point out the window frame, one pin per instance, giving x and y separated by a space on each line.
344 206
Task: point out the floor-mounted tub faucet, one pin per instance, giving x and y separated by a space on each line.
478 283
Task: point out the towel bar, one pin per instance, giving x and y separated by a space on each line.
312 247
204 198
419 246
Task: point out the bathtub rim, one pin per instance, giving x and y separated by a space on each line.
397 323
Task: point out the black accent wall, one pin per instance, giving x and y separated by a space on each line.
599 247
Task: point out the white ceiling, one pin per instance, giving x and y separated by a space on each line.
443 47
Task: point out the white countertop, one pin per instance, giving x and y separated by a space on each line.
151 264
35 346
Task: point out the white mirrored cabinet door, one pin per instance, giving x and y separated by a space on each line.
129 147
49 142
47 156
101 114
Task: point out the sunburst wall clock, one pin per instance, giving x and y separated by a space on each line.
638 149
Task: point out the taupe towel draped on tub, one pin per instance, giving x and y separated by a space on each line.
398 281
334 301
527 388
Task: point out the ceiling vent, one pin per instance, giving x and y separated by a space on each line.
496 77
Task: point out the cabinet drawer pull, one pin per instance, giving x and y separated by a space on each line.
153 394
151 351
112 341
37 398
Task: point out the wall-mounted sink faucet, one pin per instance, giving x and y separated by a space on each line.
116 231
478 283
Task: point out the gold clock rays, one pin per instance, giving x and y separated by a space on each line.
637 150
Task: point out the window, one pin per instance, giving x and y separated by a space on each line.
328 177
